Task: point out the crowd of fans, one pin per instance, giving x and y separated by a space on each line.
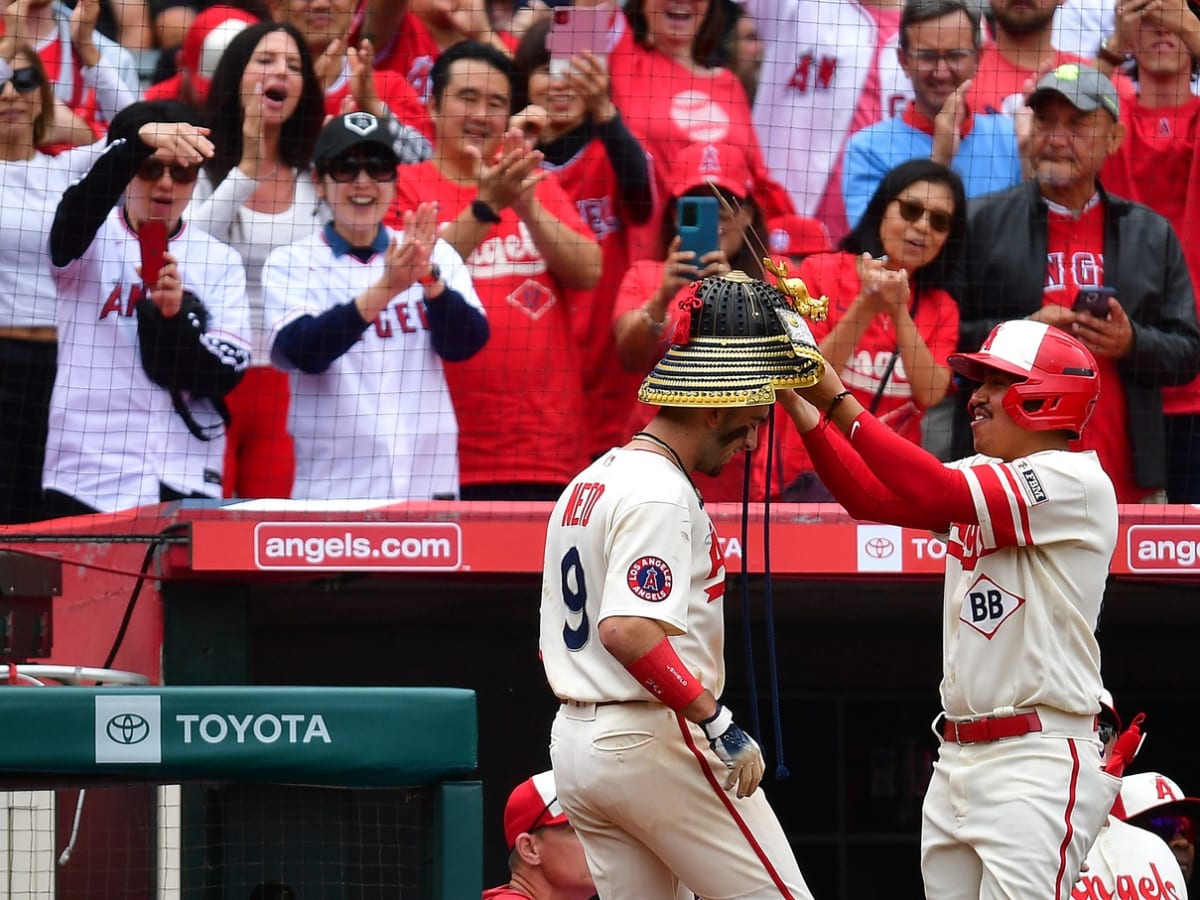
444 258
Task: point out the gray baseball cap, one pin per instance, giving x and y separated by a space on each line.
1082 86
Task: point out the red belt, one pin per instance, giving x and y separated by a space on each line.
986 729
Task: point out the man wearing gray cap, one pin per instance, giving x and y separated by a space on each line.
1063 251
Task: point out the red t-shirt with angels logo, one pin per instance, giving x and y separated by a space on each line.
519 401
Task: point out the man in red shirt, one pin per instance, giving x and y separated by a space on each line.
519 401
1020 48
197 58
410 36
326 28
545 857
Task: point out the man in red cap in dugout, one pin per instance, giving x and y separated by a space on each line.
545 857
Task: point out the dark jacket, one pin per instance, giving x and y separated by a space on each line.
1004 276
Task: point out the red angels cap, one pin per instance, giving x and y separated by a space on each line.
532 804
206 39
793 235
1151 792
701 164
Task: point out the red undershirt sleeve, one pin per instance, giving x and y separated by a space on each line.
878 475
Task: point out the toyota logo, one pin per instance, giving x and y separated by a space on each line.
879 547
127 728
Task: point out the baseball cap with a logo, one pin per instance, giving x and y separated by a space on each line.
793 235
205 41
723 165
1153 794
1082 86
532 804
345 132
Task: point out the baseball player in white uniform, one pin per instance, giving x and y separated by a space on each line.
1152 801
134 358
1127 861
660 784
1018 794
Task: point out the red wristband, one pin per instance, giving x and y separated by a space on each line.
664 675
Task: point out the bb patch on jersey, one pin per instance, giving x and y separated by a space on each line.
650 579
986 605
1033 486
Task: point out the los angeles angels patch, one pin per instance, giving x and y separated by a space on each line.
650 579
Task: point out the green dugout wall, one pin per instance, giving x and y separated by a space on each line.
353 792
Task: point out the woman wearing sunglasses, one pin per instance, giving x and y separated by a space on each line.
265 107
31 183
362 318
893 315
144 357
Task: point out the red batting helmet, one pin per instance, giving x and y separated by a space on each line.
1058 383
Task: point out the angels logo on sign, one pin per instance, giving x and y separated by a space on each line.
650 579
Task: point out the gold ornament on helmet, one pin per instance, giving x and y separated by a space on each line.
815 308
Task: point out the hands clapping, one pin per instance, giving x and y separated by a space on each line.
407 257
510 180
884 290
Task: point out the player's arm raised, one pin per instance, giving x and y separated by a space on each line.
644 649
907 484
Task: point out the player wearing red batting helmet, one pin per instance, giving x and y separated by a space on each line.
1055 382
1018 793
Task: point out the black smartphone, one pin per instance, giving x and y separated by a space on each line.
1094 300
697 223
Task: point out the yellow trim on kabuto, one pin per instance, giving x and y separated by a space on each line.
737 339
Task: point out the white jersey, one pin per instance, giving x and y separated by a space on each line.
1080 25
1130 862
31 189
112 429
379 422
192 466
825 74
628 537
1024 587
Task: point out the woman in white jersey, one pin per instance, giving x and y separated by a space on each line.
266 108
31 183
